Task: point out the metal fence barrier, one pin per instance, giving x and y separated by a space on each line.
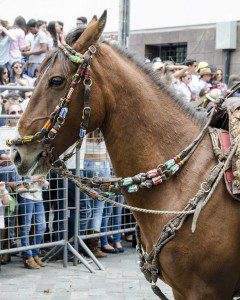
54 213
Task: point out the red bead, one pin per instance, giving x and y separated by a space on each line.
157 180
152 173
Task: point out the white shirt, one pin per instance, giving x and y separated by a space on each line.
39 38
184 91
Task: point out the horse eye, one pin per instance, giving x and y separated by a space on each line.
56 81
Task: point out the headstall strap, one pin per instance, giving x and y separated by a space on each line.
58 116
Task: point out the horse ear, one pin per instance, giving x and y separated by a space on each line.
92 33
94 19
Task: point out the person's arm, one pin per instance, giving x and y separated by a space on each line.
4 193
43 49
180 71
7 33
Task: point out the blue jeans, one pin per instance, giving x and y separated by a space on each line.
31 212
116 213
93 208
85 209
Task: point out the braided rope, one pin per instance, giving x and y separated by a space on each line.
97 196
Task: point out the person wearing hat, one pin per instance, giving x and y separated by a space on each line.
201 65
205 79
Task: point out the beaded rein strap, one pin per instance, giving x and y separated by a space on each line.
58 116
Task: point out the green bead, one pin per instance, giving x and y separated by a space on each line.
75 59
169 163
127 181
132 188
174 169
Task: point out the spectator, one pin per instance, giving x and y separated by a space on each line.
8 174
194 84
217 81
201 65
4 75
4 202
5 40
183 88
52 29
59 30
116 213
31 212
96 163
38 47
205 79
18 32
81 22
61 24
43 26
18 78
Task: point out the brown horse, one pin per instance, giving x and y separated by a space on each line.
143 124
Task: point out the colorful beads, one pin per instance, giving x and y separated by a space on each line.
82 133
157 180
127 181
152 173
133 188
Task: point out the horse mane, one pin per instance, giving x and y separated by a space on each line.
200 117
73 36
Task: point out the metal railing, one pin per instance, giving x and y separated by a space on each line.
65 216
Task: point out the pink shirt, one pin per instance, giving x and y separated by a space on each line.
17 44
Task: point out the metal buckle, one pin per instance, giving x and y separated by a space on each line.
86 111
87 81
92 49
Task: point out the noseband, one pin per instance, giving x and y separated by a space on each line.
58 116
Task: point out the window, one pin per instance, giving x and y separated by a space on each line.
175 52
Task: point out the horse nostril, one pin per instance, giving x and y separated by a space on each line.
17 158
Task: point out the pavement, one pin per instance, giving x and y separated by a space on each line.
121 280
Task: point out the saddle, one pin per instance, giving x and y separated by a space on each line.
222 140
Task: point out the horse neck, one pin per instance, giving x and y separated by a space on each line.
144 126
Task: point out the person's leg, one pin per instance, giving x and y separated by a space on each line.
117 223
25 211
40 227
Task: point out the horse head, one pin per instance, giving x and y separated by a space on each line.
55 80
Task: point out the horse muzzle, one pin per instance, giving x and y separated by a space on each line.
29 159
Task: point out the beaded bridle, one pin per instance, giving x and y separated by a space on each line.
58 116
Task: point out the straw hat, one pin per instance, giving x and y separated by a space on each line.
205 71
201 65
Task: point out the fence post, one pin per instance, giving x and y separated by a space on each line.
77 206
65 223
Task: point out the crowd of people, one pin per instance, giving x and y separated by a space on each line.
196 82
32 209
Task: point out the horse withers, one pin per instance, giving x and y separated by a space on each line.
143 124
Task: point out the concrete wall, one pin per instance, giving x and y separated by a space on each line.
200 44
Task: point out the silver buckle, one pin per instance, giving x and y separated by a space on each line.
92 49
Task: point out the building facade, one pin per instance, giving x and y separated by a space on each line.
179 43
